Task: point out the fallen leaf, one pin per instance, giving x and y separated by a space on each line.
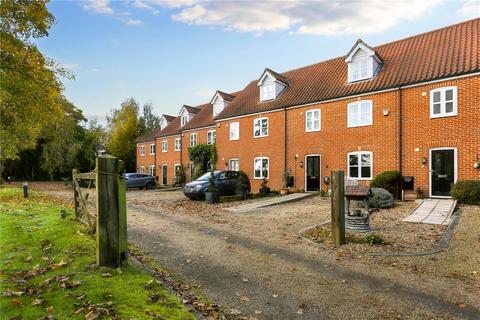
244 298
234 312
258 311
16 302
50 309
300 311
37 302
462 305
55 266
107 274
275 295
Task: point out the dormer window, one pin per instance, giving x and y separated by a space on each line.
271 85
165 121
187 113
363 63
184 119
219 101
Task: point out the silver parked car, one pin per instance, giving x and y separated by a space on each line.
139 180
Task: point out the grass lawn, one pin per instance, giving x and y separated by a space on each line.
48 269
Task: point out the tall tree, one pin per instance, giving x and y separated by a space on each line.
30 86
124 129
148 121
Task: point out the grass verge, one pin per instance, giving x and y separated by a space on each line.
48 269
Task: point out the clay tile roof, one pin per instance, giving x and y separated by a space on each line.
204 118
277 76
225 96
168 117
190 109
171 129
437 54
150 136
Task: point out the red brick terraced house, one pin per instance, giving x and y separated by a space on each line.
412 105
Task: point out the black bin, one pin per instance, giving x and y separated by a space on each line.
407 183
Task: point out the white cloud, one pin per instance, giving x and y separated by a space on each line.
322 17
470 9
98 6
141 4
134 22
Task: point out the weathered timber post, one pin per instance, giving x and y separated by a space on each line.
338 208
110 228
122 206
75 192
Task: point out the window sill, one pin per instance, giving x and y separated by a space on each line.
259 178
260 137
359 179
443 115
233 139
359 125
313 130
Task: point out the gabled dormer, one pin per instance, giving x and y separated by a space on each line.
187 113
363 62
165 120
219 101
271 85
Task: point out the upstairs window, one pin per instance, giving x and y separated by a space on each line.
211 137
164 146
363 62
177 144
267 91
193 139
142 150
312 120
234 131
359 70
360 165
152 148
260 127
234 164
360 113
184 119
260 168
443 102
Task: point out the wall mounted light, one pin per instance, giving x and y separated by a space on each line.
424 160
301 163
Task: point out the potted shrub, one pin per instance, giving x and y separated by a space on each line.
287 182
264 188
241 189
211 196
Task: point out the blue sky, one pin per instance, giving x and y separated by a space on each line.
172 53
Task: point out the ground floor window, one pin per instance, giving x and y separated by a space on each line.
234 164
142 169
261 168
152 171
360 165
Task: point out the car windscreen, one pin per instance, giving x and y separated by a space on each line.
207 176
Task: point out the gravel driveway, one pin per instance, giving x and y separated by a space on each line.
257 264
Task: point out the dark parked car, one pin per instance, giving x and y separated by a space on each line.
225 181
139 180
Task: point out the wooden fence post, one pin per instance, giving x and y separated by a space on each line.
122 207
338 208
109 220
75 192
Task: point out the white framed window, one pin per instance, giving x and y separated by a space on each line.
218 106
193 139
234 164
142 169
260 127
443 102
184 119
312 120
142 150
359 70
152 171
234 131
177 145
261 168
164 146
211 136
152 148
360 113
267 91
360 165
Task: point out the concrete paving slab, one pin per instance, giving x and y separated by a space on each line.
433 211
267 202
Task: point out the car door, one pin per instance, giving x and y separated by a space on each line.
222 183
232 181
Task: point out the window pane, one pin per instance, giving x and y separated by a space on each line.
449 107
365 159
366 114
366 172
265 168
436 96
264 127
352 114
353 160
364 68
436 108
354 172
449 95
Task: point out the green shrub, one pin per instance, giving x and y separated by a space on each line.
374 239
421 193
466 191
389 180
264 187
381 198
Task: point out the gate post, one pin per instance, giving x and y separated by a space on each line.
338 208
111 212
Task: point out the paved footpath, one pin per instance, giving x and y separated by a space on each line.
268 202
433 211
262 280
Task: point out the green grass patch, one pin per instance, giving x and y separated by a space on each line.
323 234
48 267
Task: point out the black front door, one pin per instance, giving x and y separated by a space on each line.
164 175
442 172
313 173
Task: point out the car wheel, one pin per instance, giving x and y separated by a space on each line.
149 185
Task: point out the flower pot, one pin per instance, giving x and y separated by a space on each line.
284 191
212 197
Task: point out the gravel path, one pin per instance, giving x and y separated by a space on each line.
257 264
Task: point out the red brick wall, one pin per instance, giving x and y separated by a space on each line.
169 158
335 139
422 132
201 138
147 160
247 147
